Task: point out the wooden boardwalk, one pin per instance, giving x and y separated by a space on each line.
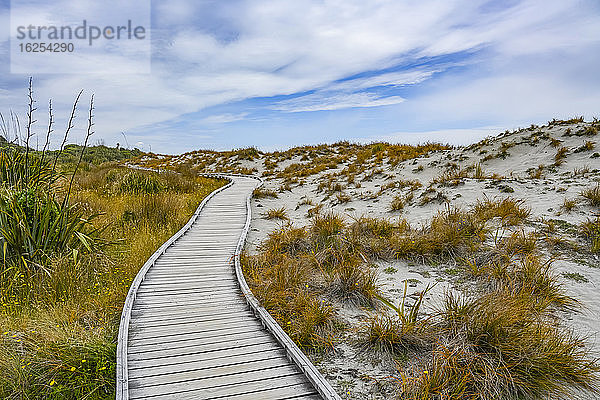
191 329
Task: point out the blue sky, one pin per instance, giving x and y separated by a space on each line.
274 74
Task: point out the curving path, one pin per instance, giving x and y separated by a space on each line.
190 327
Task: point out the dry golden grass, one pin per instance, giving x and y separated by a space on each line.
560 155
591 232
592 195
260 193
568 205
502 342
397 203
58 329
510 211
501 345
277 213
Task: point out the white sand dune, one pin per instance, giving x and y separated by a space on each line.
509 161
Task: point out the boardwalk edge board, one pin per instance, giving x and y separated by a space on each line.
292 351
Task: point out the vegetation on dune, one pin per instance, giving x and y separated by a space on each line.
308 160
260 193
276 213
591 231
592 195
501 342
93 155
500 345
62 311
70 245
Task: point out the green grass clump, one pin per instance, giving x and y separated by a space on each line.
569 205
397 333
94 155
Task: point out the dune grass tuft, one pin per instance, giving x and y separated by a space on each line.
592 195
260 193
500 345
276 213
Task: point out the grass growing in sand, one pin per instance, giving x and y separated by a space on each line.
592 195
503 341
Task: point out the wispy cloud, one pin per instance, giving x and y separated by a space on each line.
323 101
223 118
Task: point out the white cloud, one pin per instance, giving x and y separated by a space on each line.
209 53
224 118
387 79
330 101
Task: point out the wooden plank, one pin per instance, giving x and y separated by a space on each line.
176 279
216 293
185 284
217 255
194 363
277 389
200 254
149 321
273 387
138 325
185 267
191 273
179 278
196 303
179 295
214 249
183 337
200 244
197 265
148 290
208 296
148 297
197 307
204 349
177 315
233 339
155 313
170 332
251 371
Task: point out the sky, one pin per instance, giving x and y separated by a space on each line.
279 73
